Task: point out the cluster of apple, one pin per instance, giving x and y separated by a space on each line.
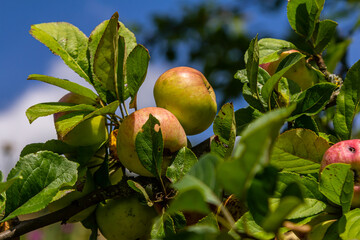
186 105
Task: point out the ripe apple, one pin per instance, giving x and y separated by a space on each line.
173 134
186 93
90 132
124 219
348 152
299 73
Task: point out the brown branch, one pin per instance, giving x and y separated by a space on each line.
64 214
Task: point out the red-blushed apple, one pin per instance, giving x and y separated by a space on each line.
88 133
299 73
186 93
173 134
348 152
125 219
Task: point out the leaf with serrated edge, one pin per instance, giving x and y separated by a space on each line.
44 173
181 165
137 187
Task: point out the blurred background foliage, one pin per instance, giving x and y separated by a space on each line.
211 37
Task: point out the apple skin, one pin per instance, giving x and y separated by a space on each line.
186 93
90 132
299 73
124 219
348 152
173 134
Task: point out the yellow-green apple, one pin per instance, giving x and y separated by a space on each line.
124 219
186 93
348 152
300 73
65 198
91 132
173 134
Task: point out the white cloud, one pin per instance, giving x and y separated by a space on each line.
15 128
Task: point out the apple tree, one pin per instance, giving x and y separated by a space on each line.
283 167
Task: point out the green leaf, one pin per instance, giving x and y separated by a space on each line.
303 15
252 151
149 146
283 67
10 181
244 117
347 103
163 226
183 162
334 53
299 150
270 47
44 173
105 59
246 224
65 84
351 224
55 146
68 42
140 189
49 108
325 30
337 184
313 100
225 131
252 65
136 68
306 122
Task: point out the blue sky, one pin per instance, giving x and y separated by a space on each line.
22 55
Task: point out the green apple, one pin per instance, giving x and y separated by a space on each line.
300 73
65 198
124 219
186 93
88 133
173 134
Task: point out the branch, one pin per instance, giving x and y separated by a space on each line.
64 214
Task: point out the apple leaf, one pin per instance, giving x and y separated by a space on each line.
247 225
269 49
313 100
68 42
163 226
183 162
252 65
347 103
140 189
337 184
149 146
43 174
299 150
324 32
55 146
105 59
136 68
49 108
303 15
349 225
65 84
334 53
225 131
283 67
244 117
252 151
307 122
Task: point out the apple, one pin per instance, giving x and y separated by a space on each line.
186 93
88 133
348 152
173 134
124 219
65 198
299 73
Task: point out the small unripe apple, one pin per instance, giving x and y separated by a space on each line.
125 219
173 135
348 152
88 133
299 73
186 93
